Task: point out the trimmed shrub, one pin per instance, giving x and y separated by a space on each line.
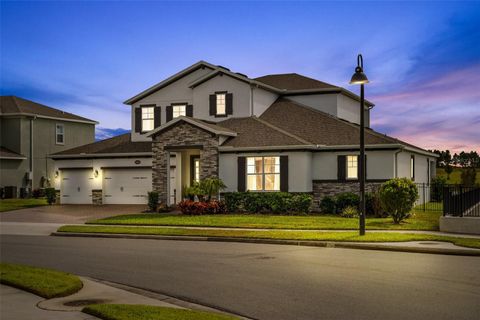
349 212
50 195
468 177
268 202
373 205
153 201
347 199
437 188
197 208
328 205
398 197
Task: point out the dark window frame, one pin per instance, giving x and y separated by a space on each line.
194 158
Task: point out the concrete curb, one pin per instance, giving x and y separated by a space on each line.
309 243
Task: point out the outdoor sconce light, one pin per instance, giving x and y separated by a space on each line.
56 173
95 173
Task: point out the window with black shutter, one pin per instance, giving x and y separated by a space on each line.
341 168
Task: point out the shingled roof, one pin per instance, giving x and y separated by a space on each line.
118 144
9 154
320 128
16 105
254 132
294 81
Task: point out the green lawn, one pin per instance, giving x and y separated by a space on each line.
272 234
420 221
15 204
46 283
142 312
455 175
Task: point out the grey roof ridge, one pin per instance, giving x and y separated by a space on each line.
282 131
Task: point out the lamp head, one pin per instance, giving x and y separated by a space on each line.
359 77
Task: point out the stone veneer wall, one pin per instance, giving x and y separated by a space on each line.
324 188
97 198
57 196
187 135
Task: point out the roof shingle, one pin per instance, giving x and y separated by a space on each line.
118 144
13 104
294 81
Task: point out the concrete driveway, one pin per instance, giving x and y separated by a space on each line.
74 213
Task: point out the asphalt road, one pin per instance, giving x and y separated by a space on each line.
270 281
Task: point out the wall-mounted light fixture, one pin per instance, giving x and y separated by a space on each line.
95 173
56 173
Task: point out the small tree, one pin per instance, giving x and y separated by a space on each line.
448 170
468 177
211 186
398 197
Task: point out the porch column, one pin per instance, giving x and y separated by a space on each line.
160 163
209 160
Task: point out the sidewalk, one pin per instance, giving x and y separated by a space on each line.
16 304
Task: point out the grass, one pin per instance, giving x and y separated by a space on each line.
142 312
46 283
420 221
273 234
15 204
455 175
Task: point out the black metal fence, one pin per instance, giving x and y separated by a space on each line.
430 197
461 201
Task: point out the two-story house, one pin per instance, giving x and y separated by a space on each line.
29 132
283 132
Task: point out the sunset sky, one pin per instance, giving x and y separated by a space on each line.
423 58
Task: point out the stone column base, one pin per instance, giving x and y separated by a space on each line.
97 197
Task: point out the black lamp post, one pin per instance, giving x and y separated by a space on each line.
360 78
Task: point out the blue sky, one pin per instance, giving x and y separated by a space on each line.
423 58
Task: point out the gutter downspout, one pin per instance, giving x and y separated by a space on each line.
31 153
396 162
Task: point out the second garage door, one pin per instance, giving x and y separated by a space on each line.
76 186
126 186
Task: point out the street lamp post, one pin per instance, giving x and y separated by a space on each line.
360 78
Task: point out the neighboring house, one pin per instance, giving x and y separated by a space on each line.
29 133
282 132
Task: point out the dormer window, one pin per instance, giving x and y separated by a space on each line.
147 118
179 110
221 104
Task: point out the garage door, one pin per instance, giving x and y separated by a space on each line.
126 186
76 186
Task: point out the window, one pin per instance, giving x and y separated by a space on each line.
263 173
412 167
194 169
221 104
179 110
147 118
352 167
59 134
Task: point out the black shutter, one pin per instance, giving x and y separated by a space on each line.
284 173
157 117
341 168
169 113
241 177
229 103
213 104
138 119
189 111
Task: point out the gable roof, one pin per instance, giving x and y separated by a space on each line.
254 132
294 81
212 127
12 105
9 154
166 82
117 145
321 128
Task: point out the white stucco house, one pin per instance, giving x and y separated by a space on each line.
283 132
